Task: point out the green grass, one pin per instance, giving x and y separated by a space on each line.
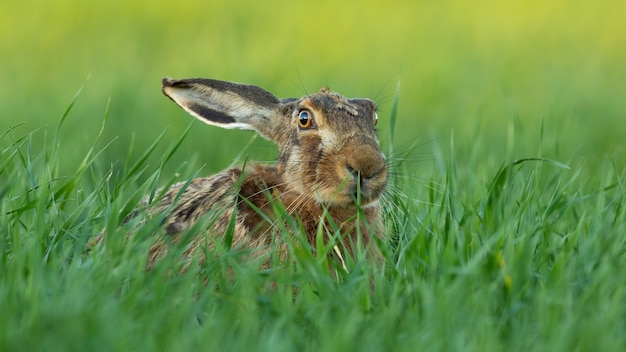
525 256
505 212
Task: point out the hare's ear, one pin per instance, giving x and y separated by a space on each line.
228 105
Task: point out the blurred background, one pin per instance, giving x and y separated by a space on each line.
500 78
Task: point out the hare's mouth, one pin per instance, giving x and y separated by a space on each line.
356 192
362 193
355 188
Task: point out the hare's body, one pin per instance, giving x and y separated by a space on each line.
330 164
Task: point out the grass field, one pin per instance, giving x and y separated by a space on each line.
506 216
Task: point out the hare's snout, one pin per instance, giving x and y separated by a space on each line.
365 161
365 172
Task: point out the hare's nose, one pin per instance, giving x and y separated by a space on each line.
365 162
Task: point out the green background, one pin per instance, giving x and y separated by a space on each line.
483 72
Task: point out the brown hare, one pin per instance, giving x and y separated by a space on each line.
330 165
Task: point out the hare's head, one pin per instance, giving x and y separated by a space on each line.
328 144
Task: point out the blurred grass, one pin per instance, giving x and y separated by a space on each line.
472 67
532 259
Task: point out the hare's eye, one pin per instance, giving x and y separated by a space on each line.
304 119
375 119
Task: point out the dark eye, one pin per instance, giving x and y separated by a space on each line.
375 119
305 119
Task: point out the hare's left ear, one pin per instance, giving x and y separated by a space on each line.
229 105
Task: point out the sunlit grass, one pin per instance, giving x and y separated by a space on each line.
553 63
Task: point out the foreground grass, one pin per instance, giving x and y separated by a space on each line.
526 256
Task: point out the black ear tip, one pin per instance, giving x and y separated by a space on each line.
169 82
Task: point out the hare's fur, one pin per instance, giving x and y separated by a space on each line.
330 163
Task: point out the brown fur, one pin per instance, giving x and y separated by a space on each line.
320 168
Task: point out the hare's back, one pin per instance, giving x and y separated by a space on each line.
186 202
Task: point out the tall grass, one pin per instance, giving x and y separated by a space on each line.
527 255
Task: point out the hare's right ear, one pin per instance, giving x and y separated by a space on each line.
229 105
